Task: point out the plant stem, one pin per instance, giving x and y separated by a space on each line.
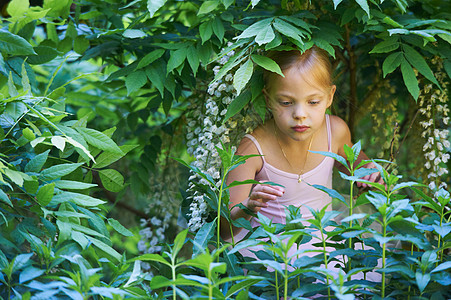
285 292
383 256
218 231
325 261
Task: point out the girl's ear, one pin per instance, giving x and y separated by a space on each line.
268 102
331 95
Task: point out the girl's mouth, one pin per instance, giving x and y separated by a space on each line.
300 128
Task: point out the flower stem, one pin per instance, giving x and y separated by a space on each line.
218 229
383 257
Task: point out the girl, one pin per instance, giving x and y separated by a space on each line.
299 124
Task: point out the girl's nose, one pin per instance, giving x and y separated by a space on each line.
299 111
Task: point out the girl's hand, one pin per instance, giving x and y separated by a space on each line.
374 177
261 194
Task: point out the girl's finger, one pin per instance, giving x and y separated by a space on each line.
262 196
269 190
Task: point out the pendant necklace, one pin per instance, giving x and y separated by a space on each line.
284 155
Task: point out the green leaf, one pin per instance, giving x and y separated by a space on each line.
288 30
265 36
73 185
336 2
58 171
150 58
28 134
151 257
45 194
80 199
104 247
410 80
386 46
99 140
59 142
193 59
154 5
207 7
36 163
267 63
80 238
176 59
4 197
107 158
156 77
204 235
17 8
364 5
218 28
112 180
14 44
422 280
30 273
255 28
133 33
81 44
417 61
44 55
238 104
15 176
58 8
205 31
179 241
392 62
119 228
135 81
243 75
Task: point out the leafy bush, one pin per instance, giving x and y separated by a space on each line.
351 248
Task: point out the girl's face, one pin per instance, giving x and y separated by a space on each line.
298 106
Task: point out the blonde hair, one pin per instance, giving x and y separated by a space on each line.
313 65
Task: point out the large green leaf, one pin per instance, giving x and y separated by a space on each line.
112 180
150 58
14 44
58 171
417 61
5 198
255 28
238 104
386 46
364 5
80 199
176 59
391 62
267 63
265 35
119 228
107 158
154 5
410 80
135 81
99 140
208 6
45 194
243 75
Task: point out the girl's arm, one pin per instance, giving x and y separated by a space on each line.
342 136
253 198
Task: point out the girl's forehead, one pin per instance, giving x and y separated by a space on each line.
297 81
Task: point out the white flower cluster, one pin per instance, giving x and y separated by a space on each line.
206 131
434 107
162 209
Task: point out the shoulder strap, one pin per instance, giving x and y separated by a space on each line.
329 133
254 140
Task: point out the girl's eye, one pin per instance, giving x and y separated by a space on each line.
314 102
285 103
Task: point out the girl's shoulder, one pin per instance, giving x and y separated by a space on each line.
340 132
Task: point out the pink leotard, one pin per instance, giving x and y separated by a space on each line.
297 194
